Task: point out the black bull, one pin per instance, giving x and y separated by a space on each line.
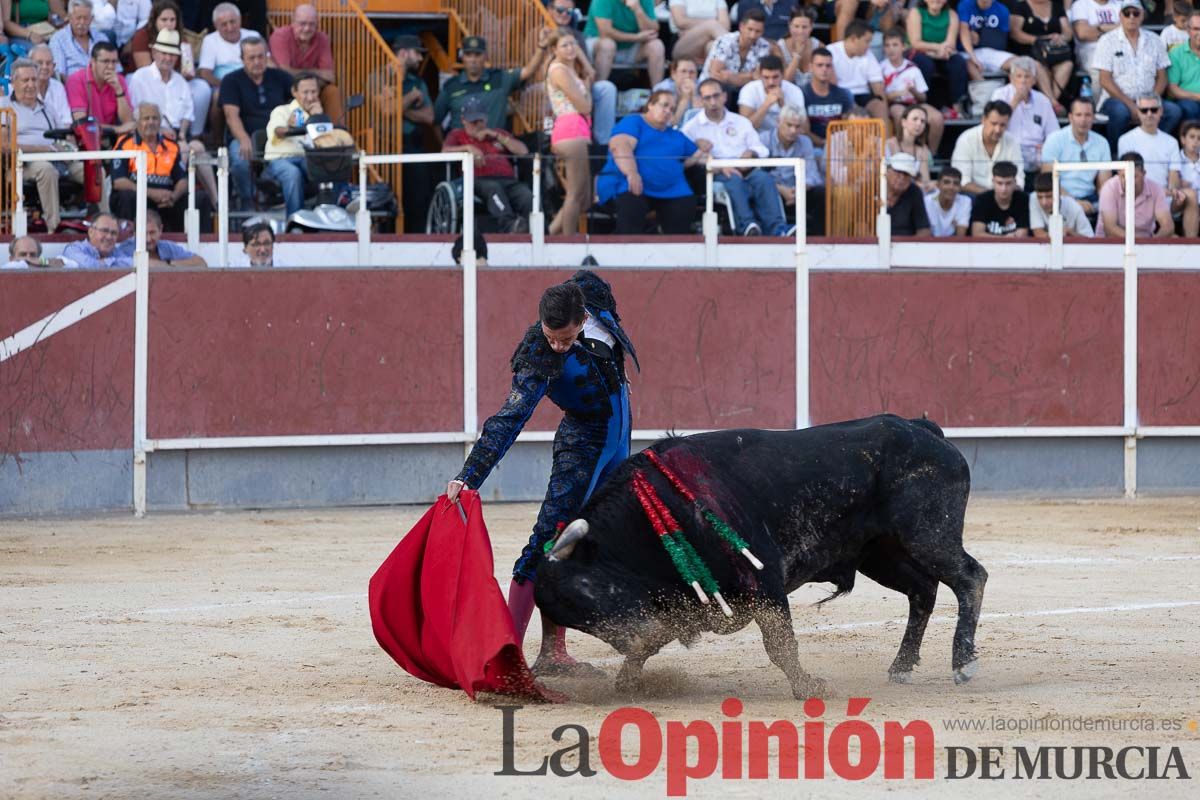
883 496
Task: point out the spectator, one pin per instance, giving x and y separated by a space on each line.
905 203
32 123
571 101
933 32
1041 26
776 14
983 33
166 178
857 69
723 134
258 243
72 44
905 88
1181 12
1151 208
979 148
417 180
1189 154
644 170
949 211
604 93
162 85
26 26
98 250
788 141
1160 152
162 253
131 16
285 154
1002 212
1091 19
734 58
761 100
51 91
624 32
1078 143
100 92
220 54
1132 62
1183 76
797 47
26 251
911 138
165 15
248 96
823 101
877 15
495 85
1033 117
682 84
496 184
696 25
303 47
1041 207
196 15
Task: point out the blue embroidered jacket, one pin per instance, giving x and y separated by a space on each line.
580 381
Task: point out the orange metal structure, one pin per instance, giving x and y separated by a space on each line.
8 175
853 155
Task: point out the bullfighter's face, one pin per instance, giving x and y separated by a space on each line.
561 339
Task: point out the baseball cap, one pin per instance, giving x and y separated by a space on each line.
474 44
473 109
406 41
903 162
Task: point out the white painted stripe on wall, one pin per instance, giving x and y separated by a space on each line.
67 316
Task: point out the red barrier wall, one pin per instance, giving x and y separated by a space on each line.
363 351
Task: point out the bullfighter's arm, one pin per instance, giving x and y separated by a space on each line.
501 430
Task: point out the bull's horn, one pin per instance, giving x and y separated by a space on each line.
567 540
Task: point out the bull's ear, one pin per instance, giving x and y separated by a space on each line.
567 540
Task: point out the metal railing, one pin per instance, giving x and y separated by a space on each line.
853 162
8 174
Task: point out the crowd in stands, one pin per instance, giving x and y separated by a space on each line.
976 101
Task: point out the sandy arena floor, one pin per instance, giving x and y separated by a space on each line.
231 655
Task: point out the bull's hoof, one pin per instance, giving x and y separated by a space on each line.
810 687
898 676
569 668
629 685
966 671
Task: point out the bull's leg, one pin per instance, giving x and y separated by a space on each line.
629 678
966 577
779 638
895 571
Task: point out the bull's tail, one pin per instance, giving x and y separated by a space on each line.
930 425
843 584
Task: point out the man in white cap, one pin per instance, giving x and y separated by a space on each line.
161 84
905 203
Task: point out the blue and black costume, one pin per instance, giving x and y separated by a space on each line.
589 384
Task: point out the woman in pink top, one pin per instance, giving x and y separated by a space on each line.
571 102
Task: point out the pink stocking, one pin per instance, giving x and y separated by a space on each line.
520 606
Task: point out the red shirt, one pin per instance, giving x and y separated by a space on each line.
100 101
289 53
495 159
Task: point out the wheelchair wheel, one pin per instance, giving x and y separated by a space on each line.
443 210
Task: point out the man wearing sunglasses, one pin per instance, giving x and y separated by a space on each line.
1132 62
1163 165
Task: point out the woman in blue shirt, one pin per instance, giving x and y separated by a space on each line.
644 171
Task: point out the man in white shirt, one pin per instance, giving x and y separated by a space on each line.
857 69
51 91
1041 206
1132 62
760 101
978 148
949 211
220 54
723 134
1091 19
1033 117
1161 154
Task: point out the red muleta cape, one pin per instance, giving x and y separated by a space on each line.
437 610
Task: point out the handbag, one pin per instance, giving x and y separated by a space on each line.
1050 52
